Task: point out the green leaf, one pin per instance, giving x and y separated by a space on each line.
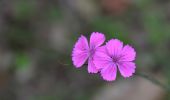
24 9
22 61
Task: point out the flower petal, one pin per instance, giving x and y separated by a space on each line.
80 52
101 59
127 68
109 72
91 66
96 39
114 47
128 54
101 49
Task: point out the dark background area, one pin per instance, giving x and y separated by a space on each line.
37 37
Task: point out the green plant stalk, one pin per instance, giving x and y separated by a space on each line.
145 76
153 80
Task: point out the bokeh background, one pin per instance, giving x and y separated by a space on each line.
37 37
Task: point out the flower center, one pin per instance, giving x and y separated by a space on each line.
91 51
115 59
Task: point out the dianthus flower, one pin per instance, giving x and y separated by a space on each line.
114 56
82 51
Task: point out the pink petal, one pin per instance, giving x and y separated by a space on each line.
114 47
101 59
128 54
80 52
96 39
109 72
127 68
101 49
91 67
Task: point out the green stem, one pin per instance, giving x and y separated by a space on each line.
145 76
153 80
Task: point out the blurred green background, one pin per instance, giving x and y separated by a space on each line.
37 37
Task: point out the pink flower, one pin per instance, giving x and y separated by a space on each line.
82 51
114 55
